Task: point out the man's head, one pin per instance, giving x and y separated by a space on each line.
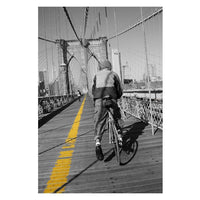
105 65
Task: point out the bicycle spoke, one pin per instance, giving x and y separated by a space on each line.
128 151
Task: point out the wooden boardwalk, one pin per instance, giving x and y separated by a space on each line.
67 162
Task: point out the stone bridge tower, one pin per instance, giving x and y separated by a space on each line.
87 62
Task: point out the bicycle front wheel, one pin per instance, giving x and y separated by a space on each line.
116 144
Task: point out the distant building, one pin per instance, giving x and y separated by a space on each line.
116 62
43 83
41 89
41 76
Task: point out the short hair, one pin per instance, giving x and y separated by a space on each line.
105 64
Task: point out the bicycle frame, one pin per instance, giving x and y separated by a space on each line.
113 134
110 124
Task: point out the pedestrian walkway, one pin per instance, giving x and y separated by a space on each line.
67 161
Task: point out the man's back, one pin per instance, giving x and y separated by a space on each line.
106 82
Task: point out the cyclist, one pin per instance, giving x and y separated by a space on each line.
105 83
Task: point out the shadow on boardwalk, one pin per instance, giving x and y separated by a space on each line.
130 144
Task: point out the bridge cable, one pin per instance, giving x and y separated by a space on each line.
47 40
116 30
52 59
67 14
148 74
107 31
58 72
46 54
55 42
137 24
59 25
85 21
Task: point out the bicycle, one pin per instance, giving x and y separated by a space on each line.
113 133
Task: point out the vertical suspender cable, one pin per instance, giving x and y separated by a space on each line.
58 51
59 25
85 21
148 75
96 31
160 39
52 62
52 54
100 26
106 15
116 30
46 54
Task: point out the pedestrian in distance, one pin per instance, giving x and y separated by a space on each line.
79 95
105 83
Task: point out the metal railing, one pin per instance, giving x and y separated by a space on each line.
49 104
140 108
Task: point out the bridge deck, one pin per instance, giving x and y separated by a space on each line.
67 162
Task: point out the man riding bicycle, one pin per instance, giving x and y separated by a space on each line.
106 84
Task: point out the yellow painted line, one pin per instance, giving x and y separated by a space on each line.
64 154
62 166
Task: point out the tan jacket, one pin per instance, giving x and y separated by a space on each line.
106 83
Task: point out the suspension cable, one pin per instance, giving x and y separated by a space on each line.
85 21
55 42
47 40
67 14
116 30
137 24
46 55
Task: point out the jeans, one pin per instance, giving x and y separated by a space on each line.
101 116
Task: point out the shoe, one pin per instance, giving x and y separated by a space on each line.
98 142
99 153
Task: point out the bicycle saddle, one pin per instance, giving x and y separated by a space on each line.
108 101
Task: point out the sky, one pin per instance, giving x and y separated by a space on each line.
53 24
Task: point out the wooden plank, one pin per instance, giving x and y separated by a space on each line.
142 175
